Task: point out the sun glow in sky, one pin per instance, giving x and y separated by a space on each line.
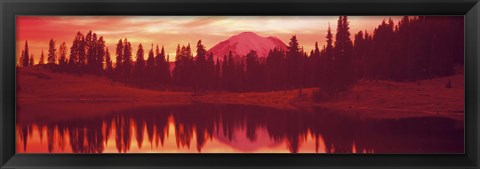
172 30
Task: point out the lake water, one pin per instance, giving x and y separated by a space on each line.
200 128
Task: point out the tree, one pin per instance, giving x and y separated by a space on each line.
91 47
119 58
99 54
82 56
52 52
32 60
163 68
150 66
201 70
127 58
108 62
42 59
24 57
76 50
62 51
140 64
252 71
294 64
342 63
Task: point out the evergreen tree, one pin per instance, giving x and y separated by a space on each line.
99 54
294 64
108 62
140 64
119 58
52 52
343 64
62 51
32 60
252 70
82 56
150 66
127 59
24 57
201 69
42 59
75 50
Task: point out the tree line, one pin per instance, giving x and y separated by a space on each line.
416 48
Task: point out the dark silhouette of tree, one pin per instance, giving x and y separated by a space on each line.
253 71
100 55
24 60
108 62
228 72
127 59
343 62
163 68
62 52
42 59
150 65
275 65
32 60
140 65
294 64
183 72
211 74
52 52
76 50
82 56
20 59
119 59
91 47
200 78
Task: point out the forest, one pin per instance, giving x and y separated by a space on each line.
415 48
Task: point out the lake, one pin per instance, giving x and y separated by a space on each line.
209 128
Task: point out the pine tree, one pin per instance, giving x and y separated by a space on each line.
150 65
127 59
42 59
100 55
108 61
200 69
62 51
75 50
22 62
140 64
252 70
24 58
164 68
294 64
52 52
119 58
82 56
342 63
32 60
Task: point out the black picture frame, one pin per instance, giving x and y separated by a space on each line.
11 8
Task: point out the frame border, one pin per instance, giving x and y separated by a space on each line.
11 8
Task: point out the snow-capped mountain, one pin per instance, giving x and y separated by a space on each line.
242 43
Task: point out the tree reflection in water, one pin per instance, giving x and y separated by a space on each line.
235 126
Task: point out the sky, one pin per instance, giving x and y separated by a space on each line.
172 30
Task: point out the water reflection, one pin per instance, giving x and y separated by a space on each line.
237 129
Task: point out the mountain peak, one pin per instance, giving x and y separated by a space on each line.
242 43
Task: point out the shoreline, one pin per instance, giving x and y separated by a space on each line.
367 98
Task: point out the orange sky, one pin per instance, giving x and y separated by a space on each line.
172 30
